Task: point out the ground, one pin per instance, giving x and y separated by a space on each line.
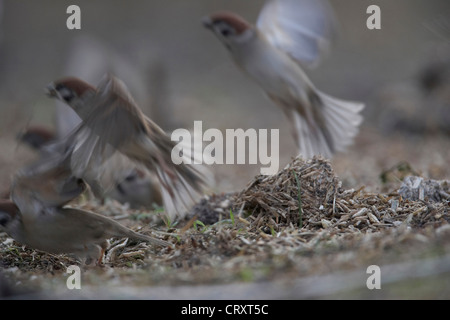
264 242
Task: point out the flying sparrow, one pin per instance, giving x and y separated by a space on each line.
290 34
132 185
46 183
112 122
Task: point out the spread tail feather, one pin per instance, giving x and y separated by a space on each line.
182 191
183 184
333 128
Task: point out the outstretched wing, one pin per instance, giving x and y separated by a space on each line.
303 29
115 124
45 184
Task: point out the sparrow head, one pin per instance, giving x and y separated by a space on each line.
68 90
8 211
230 28
36 137
139 189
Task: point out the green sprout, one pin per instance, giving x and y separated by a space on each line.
272 231
201 224
232 217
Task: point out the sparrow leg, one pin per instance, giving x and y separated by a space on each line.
103 247
100 259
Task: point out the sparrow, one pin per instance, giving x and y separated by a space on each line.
65 230
132 185
46 183
113 122
139 189
288 36
88 57
37 216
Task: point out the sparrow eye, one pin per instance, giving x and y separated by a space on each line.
130 178
4 218
60 86
65 93
226 32
224 28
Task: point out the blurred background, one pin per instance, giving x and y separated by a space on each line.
179 72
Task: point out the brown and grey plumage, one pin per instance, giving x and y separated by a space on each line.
35 216
288 36
112 122
65 230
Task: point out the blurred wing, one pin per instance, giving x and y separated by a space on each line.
46 183
97 162
112 121
182 184
302 28
113 113
115 122
65 119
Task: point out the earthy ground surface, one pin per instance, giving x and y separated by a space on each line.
267 243
312 230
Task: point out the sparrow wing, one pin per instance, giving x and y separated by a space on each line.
110 122
98 227
44 184
304 29
65 119
116 124
181 184
113 111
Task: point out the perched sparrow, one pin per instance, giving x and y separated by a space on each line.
37 218
130 184
112 122
290 33
65 230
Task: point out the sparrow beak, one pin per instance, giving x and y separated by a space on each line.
207 22
50 90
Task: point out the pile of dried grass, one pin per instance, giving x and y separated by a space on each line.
309 195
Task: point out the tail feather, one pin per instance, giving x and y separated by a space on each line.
182 184
332 128
151 240
311 140
125 232
183 190
342 118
